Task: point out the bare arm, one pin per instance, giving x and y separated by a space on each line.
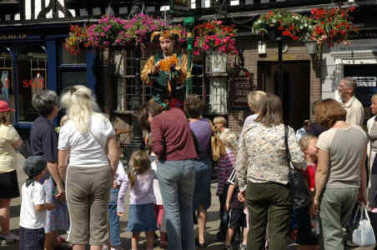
113 150
42 207
229 196
17 144
53 170
363 175
321 176
63 156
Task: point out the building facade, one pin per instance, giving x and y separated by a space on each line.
32 57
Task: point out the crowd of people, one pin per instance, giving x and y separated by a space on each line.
77 185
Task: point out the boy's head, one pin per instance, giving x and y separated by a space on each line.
220 123
34 167
308 145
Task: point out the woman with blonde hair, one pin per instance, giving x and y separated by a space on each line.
88 140
9 141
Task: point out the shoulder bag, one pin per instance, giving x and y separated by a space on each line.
297 182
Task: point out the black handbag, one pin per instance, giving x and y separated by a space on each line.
297 182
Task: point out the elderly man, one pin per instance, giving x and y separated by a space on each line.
354 108
166 71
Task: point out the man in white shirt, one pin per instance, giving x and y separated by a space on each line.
354 108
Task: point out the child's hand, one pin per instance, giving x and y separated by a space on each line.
241 196
120 214
50 206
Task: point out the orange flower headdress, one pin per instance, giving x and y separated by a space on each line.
166 34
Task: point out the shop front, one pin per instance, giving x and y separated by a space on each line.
31 62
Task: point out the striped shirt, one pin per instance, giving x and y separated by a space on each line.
224 169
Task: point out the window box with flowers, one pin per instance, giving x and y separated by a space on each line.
216 40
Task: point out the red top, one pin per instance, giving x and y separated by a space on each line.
172 137
310 175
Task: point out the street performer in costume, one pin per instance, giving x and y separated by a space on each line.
166 71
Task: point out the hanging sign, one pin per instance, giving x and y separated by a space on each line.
240 86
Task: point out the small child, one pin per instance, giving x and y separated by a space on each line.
308 146
141 217
112 208
33 205
238 214
224 169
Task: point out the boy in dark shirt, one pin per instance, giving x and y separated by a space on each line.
238 213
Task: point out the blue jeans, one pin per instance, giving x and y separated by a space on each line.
114 218
177 183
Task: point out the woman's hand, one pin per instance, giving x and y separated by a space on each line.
120 214
362 197
315 209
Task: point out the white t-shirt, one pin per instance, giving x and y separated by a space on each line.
32 195
85 149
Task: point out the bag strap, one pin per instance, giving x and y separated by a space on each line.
287 148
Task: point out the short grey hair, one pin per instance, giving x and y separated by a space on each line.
350 82
44 102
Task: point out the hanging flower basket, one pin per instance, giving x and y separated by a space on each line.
332 25
216 37
285 24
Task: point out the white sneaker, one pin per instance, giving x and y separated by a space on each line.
10 237
105 247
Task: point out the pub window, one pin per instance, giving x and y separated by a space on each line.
72 69
131 91
6 78
32 75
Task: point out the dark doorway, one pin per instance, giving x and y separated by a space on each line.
294 92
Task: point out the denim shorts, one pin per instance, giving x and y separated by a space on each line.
141 218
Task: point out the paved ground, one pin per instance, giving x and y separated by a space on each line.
212 227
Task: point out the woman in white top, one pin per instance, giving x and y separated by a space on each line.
9 141
88 140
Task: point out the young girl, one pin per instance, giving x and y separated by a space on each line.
141 217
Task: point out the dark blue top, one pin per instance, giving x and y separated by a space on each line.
44 139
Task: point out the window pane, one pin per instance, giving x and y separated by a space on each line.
66 58
70 78
32 71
